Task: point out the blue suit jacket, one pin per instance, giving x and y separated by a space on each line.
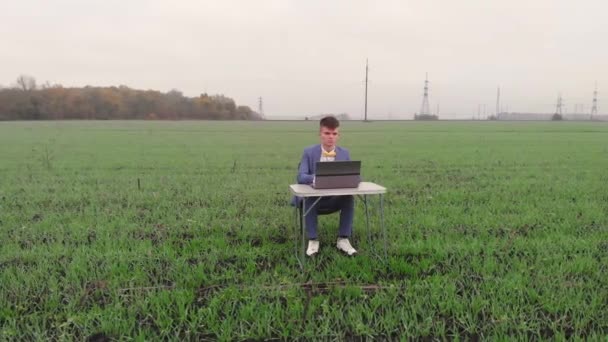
306 168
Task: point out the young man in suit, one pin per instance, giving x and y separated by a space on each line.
326 151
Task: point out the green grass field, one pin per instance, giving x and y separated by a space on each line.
182 230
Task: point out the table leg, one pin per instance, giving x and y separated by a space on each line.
383 227
297 224
369 231
369 234
303 218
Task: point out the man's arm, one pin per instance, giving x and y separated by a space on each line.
305 175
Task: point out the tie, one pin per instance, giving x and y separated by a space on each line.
329 154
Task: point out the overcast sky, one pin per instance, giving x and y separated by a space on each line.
308 57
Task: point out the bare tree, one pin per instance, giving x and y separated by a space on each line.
26 83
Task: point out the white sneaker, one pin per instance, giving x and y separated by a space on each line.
344 246
313 247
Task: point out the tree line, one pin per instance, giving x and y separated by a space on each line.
26 100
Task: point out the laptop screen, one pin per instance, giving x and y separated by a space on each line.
338 168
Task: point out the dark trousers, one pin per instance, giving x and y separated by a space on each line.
344 204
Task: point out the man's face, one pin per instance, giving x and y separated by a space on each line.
329 137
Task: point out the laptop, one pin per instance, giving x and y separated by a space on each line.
337 174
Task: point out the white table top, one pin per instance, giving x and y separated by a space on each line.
365 188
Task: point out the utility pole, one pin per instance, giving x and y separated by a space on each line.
497 102
366 72
594 104
425 110
261 107
559 104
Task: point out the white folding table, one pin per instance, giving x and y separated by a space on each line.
364 189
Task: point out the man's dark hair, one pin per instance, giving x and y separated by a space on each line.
329 122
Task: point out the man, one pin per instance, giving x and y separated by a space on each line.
327 151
